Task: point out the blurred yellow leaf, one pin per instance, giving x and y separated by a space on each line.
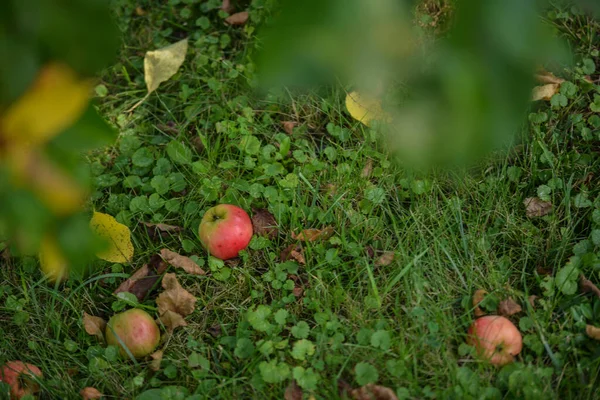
30 169
544 92
161 64
117 235
53 264
364 108
54 101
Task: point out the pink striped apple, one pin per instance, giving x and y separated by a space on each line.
495 339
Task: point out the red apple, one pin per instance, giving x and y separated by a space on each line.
136 329
225 230
14 373
496 339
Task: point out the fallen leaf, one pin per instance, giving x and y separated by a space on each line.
175 298
373 392
508 307
293 391
592 332
297 291
544 76
478 297
215 330
531 299
288 126
143 280
156 359
94 325
544 92
72 371
172 320
53 102
370 251
536 207
183 262
588 287
226 6
311 235
140 11
90 393
364 108
160 65
367 170
163 230
264 223
385 259
118 236
293 251
237 18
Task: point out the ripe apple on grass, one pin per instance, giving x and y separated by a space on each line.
14 373
496 339
225 230
136 329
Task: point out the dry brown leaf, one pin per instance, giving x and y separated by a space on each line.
171 320
311 235
293 251
226 6
156 359
508 307
264 223
531 299
293 391
544 76
593 332
297 291
544 92
163 230
90 393
373 392
94 325
143 280
588 287
288 126
367 170
385 259
478 297
175 298
215 330
183 262
298 256
237 18
535 207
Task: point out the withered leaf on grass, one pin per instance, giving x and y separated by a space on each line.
478 297
226 6
531 299
172 320
593 332
385 259
373 392
163 230
264 223
544 76
535 207
293 391
94 325
175 298
183 262
156 359
143 280
288 126
311 235
293 251
588 286
90 393
544 92
237 18
367 170
508 307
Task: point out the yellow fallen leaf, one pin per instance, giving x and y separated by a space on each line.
117 235
161 64
53 264
544 92
55 100
364 108
593 332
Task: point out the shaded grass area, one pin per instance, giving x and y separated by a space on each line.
402 325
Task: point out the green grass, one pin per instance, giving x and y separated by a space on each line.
452 232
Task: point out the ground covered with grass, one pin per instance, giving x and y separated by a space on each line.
383 294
